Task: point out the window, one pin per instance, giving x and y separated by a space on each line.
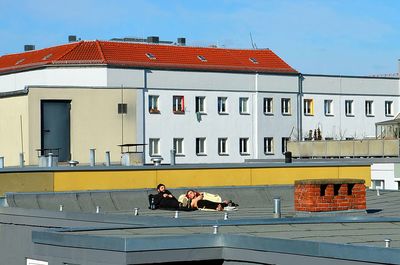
348 107
285 106
369 108
253 60
389 108
122 108
153 104
200 104
178 146
178 104
200 146
154 146
268 145
20 61
222 150
202 58
47 56
378 184
222 105
328 107
244 105
268 106
243 146
308 107
151 56
285 140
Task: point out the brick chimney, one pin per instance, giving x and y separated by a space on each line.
324 195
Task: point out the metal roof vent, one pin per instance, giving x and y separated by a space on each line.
181 41
29 47
153 39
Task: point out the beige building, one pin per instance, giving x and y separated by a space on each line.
91 113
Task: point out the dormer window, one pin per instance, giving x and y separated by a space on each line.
202 58
47 56
253 60
20 61
151 56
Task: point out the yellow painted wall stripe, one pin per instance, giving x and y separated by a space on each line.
173 178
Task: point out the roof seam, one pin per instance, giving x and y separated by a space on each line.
100 50
74 46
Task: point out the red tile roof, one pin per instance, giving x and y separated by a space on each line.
126 54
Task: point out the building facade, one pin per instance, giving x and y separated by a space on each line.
209 105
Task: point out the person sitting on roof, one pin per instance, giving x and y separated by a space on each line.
163 199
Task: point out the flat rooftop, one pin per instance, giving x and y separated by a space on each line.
250 235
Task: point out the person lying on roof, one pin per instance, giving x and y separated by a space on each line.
204 200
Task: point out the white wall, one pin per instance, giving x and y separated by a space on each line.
340 89
200 80
385 172
55 76
350 85
212 126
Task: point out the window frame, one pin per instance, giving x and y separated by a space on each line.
180 151
222 105
268 104
286 106
389 108
153 104
268 145
201 146
178 104
284 142
200 104
244 106
349 108
154 145
328 105
308 107
223 146
369 108
244 146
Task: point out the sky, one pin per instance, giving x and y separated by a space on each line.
342 37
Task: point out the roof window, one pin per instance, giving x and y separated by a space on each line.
47 56
20 61
253 60
151 56
202 58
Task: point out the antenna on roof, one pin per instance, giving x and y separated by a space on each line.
252 42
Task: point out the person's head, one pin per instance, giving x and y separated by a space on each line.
190 194
160 187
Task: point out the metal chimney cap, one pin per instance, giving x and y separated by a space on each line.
72 38
29 47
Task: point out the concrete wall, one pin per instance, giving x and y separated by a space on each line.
13 138
384 172
55 76
347 85
95 122
26 182
149 177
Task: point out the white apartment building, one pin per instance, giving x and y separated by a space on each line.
211 105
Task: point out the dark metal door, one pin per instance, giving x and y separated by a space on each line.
55 128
